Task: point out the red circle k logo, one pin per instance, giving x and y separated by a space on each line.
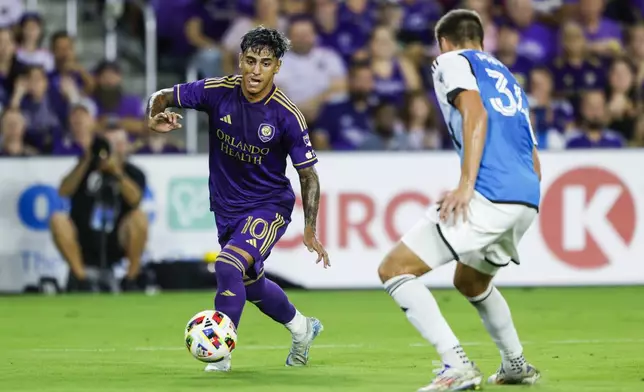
588 217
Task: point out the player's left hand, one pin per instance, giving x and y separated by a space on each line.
313 245
455 203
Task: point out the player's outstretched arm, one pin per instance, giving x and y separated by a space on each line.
159 118
310 185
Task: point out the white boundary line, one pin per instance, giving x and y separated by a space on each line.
332 346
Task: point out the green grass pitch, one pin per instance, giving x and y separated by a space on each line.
584 339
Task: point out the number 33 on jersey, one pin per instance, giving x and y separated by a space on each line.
506 173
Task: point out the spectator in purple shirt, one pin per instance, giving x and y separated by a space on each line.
574 71
622 97
173 45
346 125
10 66
592 131
12 131
604 35
69 81
394 75
538 41
418 18
81 135
360 13
115 104
32 97
346 39
506 52
209 20
550 117
30 37
157 143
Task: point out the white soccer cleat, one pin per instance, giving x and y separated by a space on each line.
526 375
221 366
468 378
299 354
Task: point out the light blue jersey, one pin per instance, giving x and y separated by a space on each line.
506 174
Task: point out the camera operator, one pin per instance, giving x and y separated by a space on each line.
105 222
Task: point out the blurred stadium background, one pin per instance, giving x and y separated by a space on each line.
360 72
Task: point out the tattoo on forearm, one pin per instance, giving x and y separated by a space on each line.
310 184
159 101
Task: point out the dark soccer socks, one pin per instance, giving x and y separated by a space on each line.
231 293
271 300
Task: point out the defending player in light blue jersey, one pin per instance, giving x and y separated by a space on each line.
481 222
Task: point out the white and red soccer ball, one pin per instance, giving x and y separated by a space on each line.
210 336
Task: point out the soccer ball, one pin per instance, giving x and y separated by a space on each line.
210 336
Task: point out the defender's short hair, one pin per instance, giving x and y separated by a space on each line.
460 26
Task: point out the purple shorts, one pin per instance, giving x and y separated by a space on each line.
256 232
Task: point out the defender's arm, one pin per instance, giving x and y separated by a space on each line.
474 115
536 162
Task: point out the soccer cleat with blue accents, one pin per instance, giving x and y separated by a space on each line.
526 375
299 354
467 378
221 366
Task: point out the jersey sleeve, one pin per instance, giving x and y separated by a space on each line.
455 74
296 139
193 95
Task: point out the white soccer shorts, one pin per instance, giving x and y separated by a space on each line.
486 242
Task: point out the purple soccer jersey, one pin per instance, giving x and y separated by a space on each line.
249 144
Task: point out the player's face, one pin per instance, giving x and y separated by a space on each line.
258 70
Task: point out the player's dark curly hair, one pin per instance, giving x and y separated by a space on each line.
460 26
261 38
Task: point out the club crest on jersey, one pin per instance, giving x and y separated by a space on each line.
266 132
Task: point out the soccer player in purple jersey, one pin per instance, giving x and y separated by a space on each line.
253 127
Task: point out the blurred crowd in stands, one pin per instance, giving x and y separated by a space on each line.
359 70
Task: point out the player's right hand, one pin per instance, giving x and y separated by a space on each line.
165 122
